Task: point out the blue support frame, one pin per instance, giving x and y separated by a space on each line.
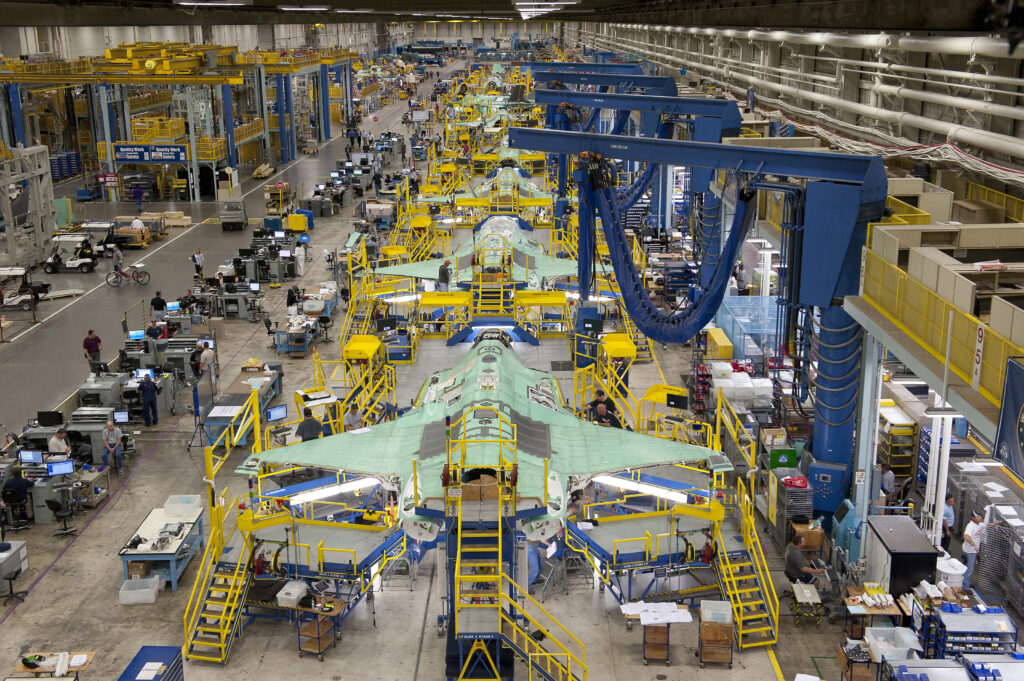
325 103
655 84
229 123
17 125
292 151
282 133
583 67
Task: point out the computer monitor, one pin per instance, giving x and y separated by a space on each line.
303 238
279 234
335 174
29 456
246 252
98 367
285 253
174 306
676 401
254 286
213 281
142 373
357 172
277 413
230 279
593 325
137 334
48 419
121 417
207 341
387 324
60 468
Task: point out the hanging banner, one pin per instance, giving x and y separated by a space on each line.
150 153
1010 435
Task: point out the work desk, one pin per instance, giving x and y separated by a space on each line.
856 613
46 668
231 401
178 551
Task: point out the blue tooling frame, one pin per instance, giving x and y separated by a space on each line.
661 85
842 194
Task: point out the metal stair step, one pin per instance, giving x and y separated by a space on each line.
209 629
214 614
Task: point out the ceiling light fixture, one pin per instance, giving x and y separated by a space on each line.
302 8
641 488
331 490
213 3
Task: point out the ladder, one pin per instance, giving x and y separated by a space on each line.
746 582
492 299
644 351
215 621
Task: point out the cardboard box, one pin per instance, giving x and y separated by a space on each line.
853 672
138 569
774 437
813 538
977 212
715 633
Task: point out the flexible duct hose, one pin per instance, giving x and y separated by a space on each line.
652 322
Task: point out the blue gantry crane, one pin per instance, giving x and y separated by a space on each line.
830 199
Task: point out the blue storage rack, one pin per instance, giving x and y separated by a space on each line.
169 657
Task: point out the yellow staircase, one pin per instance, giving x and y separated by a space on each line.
644 351
746 582
212 622
493 299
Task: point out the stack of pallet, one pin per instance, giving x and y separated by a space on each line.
175 218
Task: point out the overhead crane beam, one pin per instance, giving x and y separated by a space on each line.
120 79
654 84
580 67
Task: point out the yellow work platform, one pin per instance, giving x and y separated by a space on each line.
446 298
362 347
619 346
540 298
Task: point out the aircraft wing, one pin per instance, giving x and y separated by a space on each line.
584 448
548 267
382 449
424 269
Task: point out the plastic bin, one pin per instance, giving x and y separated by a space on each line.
716 611
951 571
893 643
136 591
183 505
292 592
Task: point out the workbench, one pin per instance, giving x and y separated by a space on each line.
856 613
318 630
805 602
46 668
296 339
231 401
177 553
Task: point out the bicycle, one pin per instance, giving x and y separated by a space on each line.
136 273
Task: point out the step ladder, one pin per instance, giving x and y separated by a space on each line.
492 299
644 351
744 579
217 623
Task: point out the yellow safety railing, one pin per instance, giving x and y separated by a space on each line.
748 528
143 101
248 131
460 440
924 316
74 66
1014 206
726 418
554 634
211 149
247 418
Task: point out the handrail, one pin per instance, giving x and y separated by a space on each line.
506 599
749 529
247 417
734 426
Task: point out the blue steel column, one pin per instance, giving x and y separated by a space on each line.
325 103
229 123
282 135
344 105
17 125
836 394
585 245
292 152
349 90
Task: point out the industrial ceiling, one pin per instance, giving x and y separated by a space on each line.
911 15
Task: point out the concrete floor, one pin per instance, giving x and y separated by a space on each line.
73 583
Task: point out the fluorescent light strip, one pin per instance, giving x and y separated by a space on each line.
641 488
213 3
331 490
297 8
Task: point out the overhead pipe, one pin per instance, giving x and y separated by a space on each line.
985 46
983 139
963 103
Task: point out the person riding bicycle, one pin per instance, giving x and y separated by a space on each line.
118 257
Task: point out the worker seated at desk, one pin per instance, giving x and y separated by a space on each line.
59 444
21 486
797 567
353 420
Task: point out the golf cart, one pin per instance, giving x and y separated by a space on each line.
105 235
71 252
24 294
232 215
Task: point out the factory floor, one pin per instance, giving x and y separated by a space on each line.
73 583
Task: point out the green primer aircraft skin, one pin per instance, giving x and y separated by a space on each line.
530 264
491 377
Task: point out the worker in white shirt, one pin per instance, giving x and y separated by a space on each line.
58 444
974 536
137 224
206 358
352 419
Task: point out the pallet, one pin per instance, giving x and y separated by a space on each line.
185 221
67 293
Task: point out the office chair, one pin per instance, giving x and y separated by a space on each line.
271 326
325 324
239 267
262 270
132 402
14 501
62 513
11 594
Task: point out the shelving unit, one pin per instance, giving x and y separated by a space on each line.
948 634
896 434
656 638
715 643
317 633
957 449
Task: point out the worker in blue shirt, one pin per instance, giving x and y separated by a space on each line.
21 486
147 391
154 331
